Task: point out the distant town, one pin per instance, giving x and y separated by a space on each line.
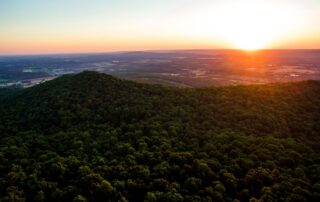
188 68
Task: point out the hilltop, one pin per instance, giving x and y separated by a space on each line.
91 136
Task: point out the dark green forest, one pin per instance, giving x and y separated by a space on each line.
93 137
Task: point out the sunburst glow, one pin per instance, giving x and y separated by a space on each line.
256 24
37 26
243 24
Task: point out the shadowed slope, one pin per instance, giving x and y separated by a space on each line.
92 98
94 137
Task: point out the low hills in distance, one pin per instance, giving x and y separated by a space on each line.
183 68
94 137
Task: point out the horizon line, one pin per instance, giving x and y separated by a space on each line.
154 50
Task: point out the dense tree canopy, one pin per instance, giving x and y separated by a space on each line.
92 137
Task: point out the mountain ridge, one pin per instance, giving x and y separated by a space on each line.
93 137
91 90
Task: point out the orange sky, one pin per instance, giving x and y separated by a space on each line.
43 26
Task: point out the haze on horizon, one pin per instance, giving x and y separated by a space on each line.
59 26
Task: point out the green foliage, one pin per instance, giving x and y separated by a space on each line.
92 137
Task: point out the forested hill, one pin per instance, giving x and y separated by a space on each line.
89 98
93 137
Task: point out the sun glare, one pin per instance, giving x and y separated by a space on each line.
255 24
249 42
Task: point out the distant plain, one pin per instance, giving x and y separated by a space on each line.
183 68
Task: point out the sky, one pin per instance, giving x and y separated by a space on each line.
72 26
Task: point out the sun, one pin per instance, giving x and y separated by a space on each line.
249 41
239 24
255 24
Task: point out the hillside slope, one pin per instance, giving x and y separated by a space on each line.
91 136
